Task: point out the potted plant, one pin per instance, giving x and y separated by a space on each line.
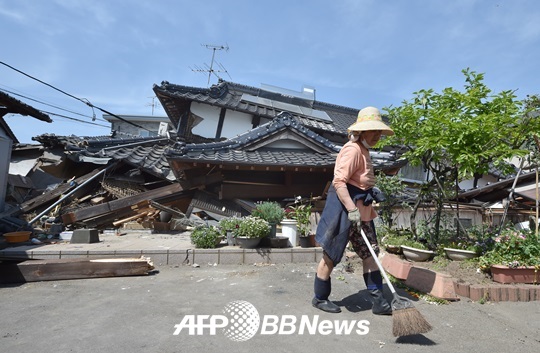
251 230
289 226
270 211
414 250
514 257
465 245
392 239
228 226
302 214
206 237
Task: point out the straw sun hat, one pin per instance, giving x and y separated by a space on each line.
370 118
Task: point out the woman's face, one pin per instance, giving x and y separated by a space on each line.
371 137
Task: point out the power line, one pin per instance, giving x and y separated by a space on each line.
48 104
75 119
83 100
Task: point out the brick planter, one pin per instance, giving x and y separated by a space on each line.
505 274
445 287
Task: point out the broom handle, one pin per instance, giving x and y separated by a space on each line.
379 265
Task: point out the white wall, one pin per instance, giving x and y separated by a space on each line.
235 122
485 180
402 218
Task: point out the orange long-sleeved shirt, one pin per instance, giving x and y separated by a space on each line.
354 166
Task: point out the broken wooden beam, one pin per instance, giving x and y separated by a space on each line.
50 196
116 206
138 215
65 269
172 211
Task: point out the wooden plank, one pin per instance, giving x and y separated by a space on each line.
51 196
65 269
112 206
172 211
138 215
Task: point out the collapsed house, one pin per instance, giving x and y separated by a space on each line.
219 151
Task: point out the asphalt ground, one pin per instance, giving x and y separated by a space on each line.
139 314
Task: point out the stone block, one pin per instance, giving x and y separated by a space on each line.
476 292
436 284
259 255
462 289
233 256
85 236
395 266
304 255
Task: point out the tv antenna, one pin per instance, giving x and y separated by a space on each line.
154 104
210 69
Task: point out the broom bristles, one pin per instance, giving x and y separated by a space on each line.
408 322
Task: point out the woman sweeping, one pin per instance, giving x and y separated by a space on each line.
349 203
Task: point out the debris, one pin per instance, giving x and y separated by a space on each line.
62 269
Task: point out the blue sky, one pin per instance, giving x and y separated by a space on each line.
353 52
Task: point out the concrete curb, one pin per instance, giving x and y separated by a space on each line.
443 286
176 257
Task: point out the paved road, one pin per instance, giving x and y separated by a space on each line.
139 314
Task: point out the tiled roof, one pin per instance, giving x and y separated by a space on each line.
236 150
229 95
95 143
14 105
149 158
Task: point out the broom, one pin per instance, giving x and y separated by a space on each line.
406 319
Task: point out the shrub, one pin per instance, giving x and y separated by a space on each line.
302 214
513 248
270 211
205 237
252 227
229 224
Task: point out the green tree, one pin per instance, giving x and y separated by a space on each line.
392 187
457 135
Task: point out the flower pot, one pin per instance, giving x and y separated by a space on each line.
289 230
418 255
279 242
231 239
273 230
248 243
307 241
393 249
522 274
459 255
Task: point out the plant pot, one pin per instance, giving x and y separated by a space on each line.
273 230
418 255
522 274
231 239
248 243
306 242
289 230
393 249
279 242
459 255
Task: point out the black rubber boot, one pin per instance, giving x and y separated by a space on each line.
380 304
374 286
322 292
